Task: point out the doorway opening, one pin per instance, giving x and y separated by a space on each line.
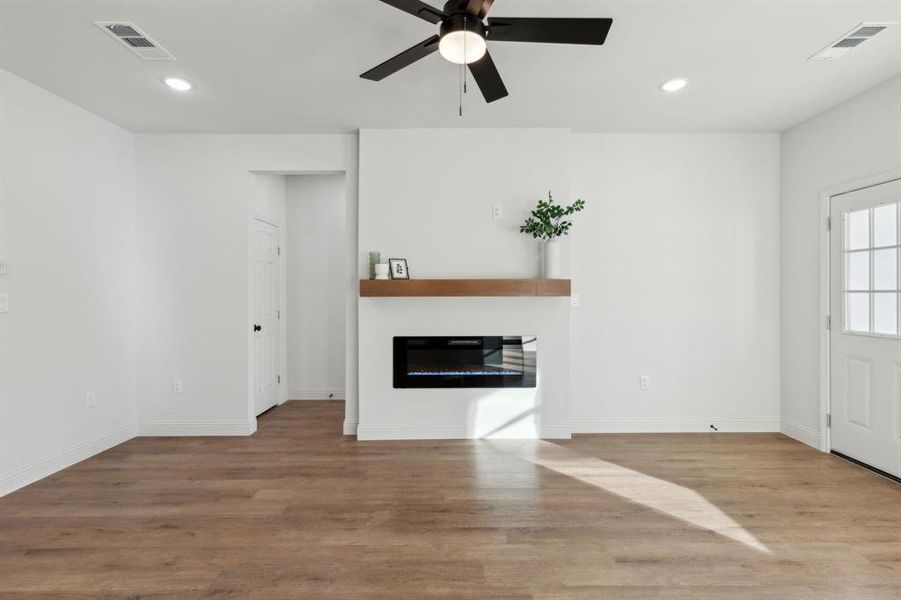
298 288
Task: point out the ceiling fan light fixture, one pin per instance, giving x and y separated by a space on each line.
462 47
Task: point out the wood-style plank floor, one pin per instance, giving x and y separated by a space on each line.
298 511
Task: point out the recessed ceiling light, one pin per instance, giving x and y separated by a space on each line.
178 84
674 85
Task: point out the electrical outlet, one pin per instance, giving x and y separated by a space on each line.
574 300
178 386
498 212
644 383
90 399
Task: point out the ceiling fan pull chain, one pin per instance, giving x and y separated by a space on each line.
462 80
460 89
465 55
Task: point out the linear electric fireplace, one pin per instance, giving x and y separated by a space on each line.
465 362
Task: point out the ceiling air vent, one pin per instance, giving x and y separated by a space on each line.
135 40
850 40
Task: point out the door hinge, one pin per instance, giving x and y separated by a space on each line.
829 420
828 322
279 314
279 378
279 250
828 223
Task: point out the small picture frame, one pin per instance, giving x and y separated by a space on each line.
398 268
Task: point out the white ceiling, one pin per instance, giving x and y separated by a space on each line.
292 66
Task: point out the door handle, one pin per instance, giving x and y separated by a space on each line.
258 328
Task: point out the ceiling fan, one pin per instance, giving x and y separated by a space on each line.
463 33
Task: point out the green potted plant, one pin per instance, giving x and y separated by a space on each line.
548 224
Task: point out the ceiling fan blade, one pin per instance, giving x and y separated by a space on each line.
418 9
404 59
489 80
550 30
482 7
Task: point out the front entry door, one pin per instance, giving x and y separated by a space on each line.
266 276
865 361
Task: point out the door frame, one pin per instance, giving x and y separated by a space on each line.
356 264
826 196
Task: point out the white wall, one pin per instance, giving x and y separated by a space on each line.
316 262
67 231
427 195
195 197
857 139
270 197
676 261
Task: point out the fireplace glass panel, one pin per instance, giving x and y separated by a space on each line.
465 361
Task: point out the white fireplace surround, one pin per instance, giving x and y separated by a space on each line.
513 413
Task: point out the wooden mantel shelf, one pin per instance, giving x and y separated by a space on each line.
372 288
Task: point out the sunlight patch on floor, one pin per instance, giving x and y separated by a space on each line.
663 496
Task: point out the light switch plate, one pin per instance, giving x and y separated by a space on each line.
4 303
498 212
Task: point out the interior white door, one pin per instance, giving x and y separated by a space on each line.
865 361
266 315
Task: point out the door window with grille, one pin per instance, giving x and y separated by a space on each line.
871 271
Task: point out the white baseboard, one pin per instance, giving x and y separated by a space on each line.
62 460
440 432
350 427
235 427
802 433
315 394
675 425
